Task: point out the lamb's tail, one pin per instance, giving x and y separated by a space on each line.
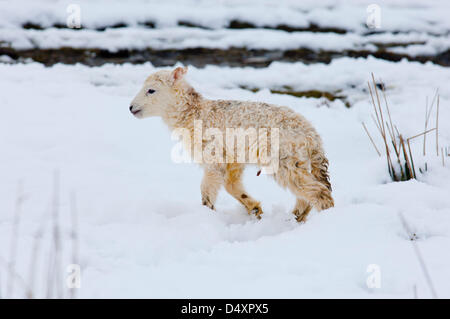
319 168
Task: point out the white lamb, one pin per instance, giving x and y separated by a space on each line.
302 165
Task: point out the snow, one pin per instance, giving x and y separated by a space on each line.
181 38
396 15
184 37
411 19
143 231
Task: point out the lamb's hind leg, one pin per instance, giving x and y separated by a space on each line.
308 190
301 210
305 185
233 185
213 179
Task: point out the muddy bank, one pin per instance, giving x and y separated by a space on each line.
316 94
199 57
312 27
234 24
36 26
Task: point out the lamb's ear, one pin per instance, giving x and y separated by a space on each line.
178 74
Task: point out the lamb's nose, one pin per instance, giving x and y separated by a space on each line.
131 108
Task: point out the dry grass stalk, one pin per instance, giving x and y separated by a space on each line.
443 163
57 238
423 266
405 171
54 281
50 272
380 125
427 118
34 257
370 137
15 277
410 173
409 147
396 149
379 105
74 236
394 142
412 160
54 287
376 124
420 134
437 127
14 239
426 124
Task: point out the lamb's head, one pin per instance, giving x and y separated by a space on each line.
158 93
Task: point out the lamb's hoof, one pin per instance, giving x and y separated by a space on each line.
207 203
300 218
257 211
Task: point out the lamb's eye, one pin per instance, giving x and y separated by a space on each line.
151 91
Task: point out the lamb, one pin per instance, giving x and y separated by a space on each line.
302 165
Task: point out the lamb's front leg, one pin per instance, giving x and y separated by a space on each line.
233 185
213 179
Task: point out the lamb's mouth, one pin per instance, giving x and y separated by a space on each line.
136 112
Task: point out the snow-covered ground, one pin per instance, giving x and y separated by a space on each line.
184 37
141 226
397 15
420 28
